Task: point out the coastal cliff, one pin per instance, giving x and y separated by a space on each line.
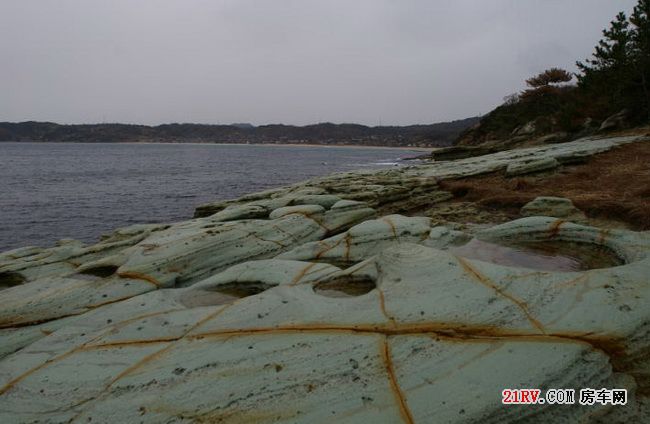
368 296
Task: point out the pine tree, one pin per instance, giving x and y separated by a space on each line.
612 51
640 51
545 87
607 73
549 77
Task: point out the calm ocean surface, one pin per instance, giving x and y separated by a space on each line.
51 191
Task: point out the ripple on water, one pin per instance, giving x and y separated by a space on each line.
52 191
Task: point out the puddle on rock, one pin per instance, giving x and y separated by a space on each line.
222 295
556 256
345 287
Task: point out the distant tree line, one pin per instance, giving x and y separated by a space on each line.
440 134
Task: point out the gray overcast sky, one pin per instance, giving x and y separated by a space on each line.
295 62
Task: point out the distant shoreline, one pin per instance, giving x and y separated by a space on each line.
350 146
415 149
323 134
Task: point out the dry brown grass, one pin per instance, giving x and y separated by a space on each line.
613 185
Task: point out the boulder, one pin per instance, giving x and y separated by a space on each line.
526 129
614 122
442 238
557 207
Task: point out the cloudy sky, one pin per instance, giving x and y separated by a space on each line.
290 61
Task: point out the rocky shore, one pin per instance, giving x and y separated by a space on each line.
367 296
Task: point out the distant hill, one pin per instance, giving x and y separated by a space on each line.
432 135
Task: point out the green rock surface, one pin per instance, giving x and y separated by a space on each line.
309 304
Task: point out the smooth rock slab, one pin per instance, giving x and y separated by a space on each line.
263 378
180 255
429 333
530 167
363 240
301 210
434 327
445 381
28 264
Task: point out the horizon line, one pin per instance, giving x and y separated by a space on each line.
235 124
